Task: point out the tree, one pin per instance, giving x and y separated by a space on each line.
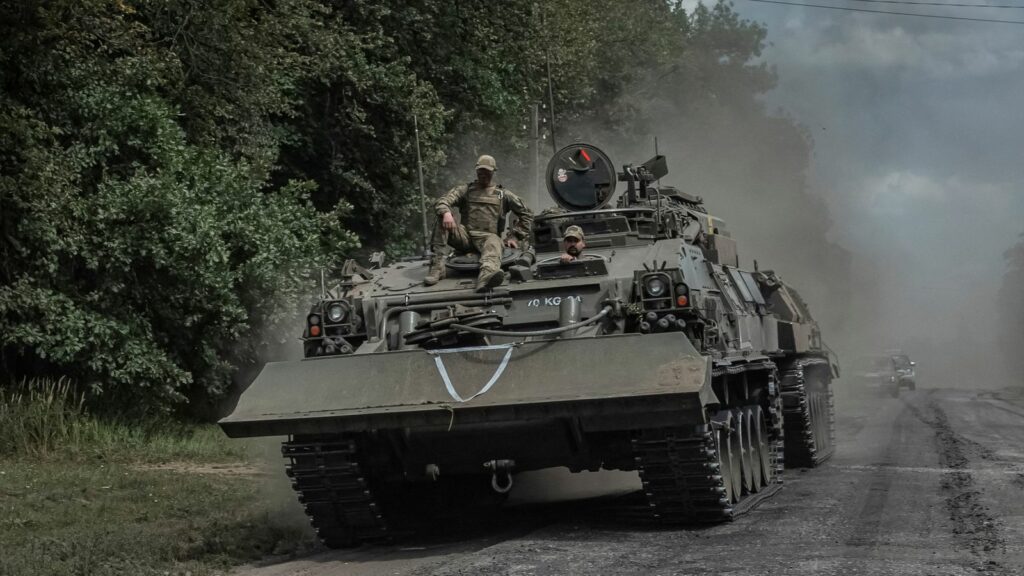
138 259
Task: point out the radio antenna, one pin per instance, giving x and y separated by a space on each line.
551 90
656 155
423 195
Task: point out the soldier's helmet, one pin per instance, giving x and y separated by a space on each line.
486 162
573 232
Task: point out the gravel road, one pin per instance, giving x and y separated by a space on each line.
928 484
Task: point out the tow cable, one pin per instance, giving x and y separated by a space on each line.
439 362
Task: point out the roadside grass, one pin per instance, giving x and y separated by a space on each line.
48 419
81 495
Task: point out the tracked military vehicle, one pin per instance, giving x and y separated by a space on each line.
653 351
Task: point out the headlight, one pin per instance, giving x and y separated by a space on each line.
336 312
656 286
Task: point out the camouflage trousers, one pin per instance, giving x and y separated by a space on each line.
488 245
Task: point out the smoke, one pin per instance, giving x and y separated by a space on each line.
284 512
916 156
280 501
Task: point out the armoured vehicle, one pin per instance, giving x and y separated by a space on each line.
905 372
654 352
887 373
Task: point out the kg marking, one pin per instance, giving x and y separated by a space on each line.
550 301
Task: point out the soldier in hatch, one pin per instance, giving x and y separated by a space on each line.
483 206
572 244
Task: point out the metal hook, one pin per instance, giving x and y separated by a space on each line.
503 467
498 488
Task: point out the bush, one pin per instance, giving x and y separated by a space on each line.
137 257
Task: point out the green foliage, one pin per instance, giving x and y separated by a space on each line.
135 258
353 132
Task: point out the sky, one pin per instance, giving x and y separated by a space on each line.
917 126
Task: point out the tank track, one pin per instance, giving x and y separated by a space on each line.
334 491
679 471
809 439
681 480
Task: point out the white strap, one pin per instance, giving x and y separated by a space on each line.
494 378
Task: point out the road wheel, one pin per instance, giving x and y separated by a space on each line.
746 452
763 447
820 416
754 448
726 438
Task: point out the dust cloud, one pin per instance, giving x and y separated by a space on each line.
916 129
284 513
279 499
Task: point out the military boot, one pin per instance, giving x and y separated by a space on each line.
436 272
488 280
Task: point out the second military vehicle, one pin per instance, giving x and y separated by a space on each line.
886 373
905 372
653 351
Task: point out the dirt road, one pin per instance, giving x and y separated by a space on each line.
930 484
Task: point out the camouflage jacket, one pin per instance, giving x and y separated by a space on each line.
484 209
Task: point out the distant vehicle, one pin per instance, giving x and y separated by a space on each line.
904 370
887 373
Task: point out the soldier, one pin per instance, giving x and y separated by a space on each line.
572 244
483 206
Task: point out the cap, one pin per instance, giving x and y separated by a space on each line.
573 232
486 162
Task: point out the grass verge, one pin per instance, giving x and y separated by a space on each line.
46 419
84 496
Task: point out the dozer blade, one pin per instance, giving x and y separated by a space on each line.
605 381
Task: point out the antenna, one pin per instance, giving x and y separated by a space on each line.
551 92
551 100
423 195
656 154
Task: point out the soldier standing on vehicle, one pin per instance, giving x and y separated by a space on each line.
572 244
483 207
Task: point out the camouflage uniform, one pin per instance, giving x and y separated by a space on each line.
573 231
482 210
